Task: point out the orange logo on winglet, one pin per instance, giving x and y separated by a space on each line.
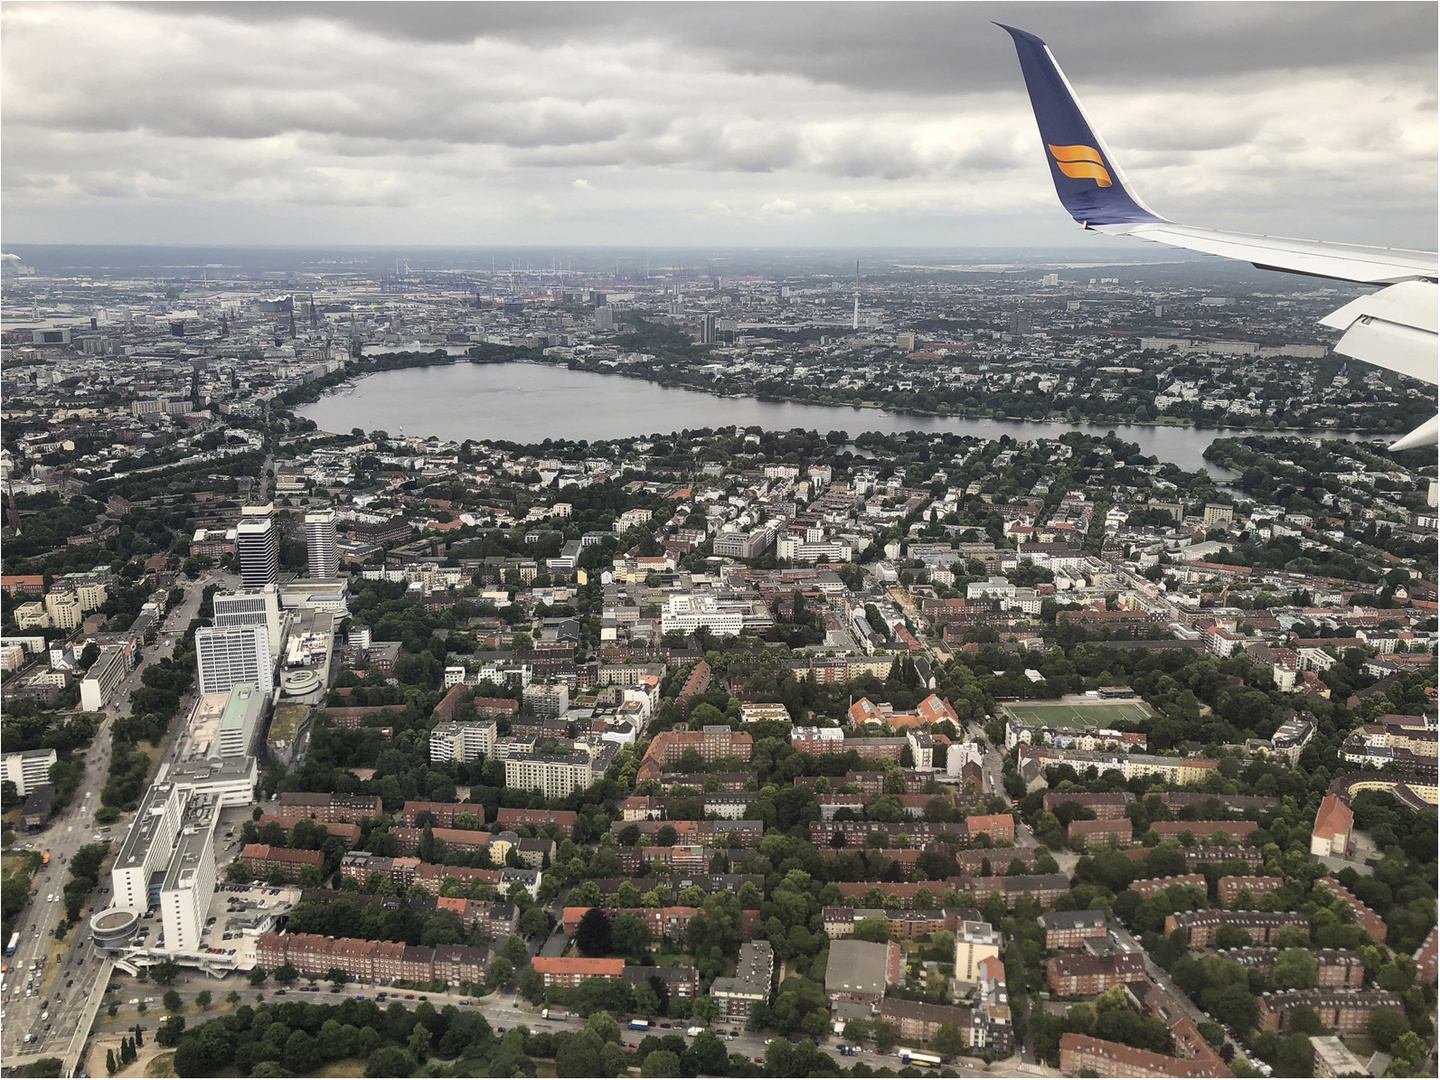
1081 163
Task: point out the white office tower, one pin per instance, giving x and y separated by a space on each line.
257 607
257 542
189 882
228 656
320 544
147 847
241 721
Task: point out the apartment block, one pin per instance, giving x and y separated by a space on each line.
28 769
464 741
1229 888
1346 1011
329 807
735 996
1086 976
1082 1055
1101 831
1070 929
104 678
262 858
570 971
1148 887
1364 916
1262 926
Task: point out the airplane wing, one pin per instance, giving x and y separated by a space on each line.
1394 328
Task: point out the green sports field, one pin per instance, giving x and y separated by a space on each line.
1102 714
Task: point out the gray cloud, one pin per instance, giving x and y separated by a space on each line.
792 121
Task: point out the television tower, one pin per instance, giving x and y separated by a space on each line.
855 322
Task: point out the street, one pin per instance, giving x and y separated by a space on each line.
44 1020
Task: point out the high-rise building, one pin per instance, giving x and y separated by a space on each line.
320 544
228 656
257 542
240 722
257 607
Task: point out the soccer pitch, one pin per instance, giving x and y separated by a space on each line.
1103 714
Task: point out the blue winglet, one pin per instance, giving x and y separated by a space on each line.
1087 179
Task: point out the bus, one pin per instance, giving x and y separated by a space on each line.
910 1057
14 944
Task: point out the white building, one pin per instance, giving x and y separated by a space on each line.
241 721
320 544
104 676
555 776
226 657
462 741
28 769
690 612
255 607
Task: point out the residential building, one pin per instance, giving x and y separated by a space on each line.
28 769
1346 1011
555 776
1229 888
329 807
1262 926
570 971
257 607
1070 929
1362 915
1083 1055
1086 976
735 996
262 858
462 740
975 942
1333 1057
323 554
104 677
547 700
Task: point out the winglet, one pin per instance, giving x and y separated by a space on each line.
1088 180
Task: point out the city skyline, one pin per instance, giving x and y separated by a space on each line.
801 125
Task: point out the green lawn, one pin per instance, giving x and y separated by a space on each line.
1106 714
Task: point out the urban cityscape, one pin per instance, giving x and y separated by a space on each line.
979 740
680 540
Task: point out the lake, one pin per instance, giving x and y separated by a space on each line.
528 403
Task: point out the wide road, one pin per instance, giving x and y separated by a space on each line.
68 969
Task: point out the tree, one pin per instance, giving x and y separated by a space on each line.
168 1034
286 973
1385 1026
202 1000
531 985
165 972
592 936
172 1001
257 975
232 998
885 1035
111 1068
948 1041
1296 969
660 1063
516 951
603 1026
703 1010
579 1055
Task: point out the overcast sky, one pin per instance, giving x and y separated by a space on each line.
676 124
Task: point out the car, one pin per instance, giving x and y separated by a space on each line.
759 1061
280 992
464 1001
633 1046
665 1025
500 1031
409 997
424 998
